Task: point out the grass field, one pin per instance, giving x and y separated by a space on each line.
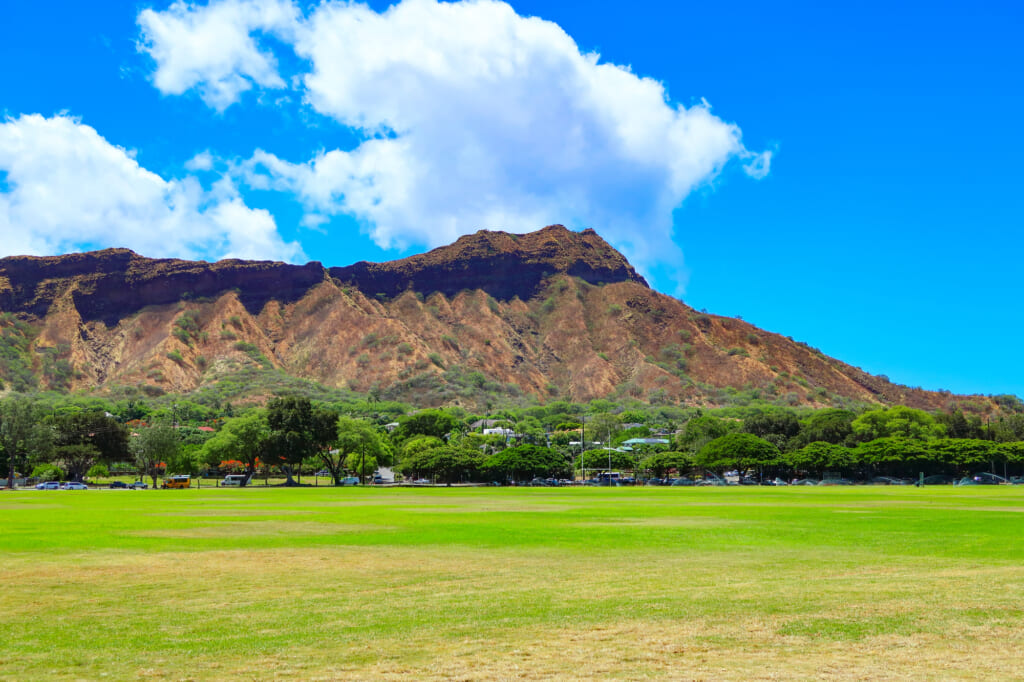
710 583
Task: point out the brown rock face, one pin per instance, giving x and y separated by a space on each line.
112 284
552 314
504 265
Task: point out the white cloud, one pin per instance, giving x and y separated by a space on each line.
203 161
476 117
212 48
66 188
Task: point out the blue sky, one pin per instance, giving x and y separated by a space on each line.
851 177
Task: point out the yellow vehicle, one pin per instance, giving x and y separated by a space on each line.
178 482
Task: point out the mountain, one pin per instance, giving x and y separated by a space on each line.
553 314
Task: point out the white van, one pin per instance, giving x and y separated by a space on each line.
234 480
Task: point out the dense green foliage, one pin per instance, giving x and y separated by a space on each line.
346 434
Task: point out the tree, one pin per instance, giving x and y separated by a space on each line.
359 448
966 453
958 426
361 465
602 427
775 426
831 425
819 456
736 451
81 437
241 439
76 459
436 423
525 462
599 459
660 463
294 434
701 430
155 445
894 455
898 421
20 433
412 447
445 464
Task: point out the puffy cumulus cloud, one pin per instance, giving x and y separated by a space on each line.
67 188
475 117
213 49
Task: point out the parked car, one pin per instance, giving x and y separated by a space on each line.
682 481
118 484
48 485
351 480
74 485
138 485
323 472
234 480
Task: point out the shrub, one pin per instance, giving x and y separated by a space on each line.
228 335
614 309
182 335
98 471
404 348
176 357
436 359
48 472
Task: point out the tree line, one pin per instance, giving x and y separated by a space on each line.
71 437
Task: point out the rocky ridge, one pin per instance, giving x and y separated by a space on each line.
553 314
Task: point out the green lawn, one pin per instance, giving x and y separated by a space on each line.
328 583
